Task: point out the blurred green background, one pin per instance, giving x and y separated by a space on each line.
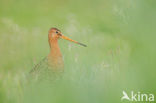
121 52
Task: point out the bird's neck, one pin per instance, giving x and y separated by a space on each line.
54 47
55 56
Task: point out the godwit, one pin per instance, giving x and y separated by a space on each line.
54 61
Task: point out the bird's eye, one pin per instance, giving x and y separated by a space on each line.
56 32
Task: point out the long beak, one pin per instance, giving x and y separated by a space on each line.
66 38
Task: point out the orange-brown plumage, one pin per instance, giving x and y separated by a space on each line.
55 57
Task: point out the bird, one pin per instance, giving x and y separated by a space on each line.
53 62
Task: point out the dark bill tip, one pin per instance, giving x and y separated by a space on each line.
82 44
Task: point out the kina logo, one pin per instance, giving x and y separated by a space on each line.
137 96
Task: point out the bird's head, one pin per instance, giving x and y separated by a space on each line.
55 34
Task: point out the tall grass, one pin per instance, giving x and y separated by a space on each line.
120 36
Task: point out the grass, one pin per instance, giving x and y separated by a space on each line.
120 36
